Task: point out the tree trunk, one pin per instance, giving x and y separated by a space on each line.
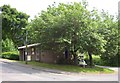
75 59
90 59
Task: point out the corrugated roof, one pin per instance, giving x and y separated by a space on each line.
29 45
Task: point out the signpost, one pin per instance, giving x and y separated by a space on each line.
26 53
26 47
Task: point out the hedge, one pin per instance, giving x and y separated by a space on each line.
10 55
96 60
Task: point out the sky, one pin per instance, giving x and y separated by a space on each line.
33 7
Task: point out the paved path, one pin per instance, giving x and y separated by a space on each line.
13 71
112 68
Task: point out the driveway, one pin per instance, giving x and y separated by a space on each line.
14 71
112 68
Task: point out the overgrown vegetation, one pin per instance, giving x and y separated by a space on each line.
64 28
10 55
12 34
12 23
73 28
8 46
8 50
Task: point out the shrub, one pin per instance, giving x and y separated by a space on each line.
111 61
61 61
96 60
8 45
10 55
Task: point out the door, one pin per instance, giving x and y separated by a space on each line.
23 55
37 54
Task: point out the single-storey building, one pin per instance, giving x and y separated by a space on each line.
34 53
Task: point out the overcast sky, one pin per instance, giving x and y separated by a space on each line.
33 7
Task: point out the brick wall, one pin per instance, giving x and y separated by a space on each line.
44 56
49 57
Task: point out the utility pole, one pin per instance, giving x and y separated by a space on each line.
26 49
26 54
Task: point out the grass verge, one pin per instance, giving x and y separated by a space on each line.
70 68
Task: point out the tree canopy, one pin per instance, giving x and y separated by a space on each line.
74 27
65 27
12 23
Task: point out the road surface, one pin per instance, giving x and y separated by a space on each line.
10 71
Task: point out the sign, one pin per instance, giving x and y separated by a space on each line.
25 53
29 58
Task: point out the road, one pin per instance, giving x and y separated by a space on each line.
10 71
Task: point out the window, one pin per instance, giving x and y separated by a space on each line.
33 51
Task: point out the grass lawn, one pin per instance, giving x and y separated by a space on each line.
70 68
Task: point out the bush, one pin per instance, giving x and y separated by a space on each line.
64 61
61 61
111 61
8 46
96 60
10 55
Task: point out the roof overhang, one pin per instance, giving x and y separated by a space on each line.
31 45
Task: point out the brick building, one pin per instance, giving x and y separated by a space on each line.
35 54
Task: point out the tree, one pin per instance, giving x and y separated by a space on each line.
8 46
82 30
109 29
0 32
12 22
52 22
69 26
91 41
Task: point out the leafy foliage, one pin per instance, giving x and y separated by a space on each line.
69 26
12 22
10 55
8 45
109 30
66 27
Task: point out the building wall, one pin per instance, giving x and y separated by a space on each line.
42 56
32 50
48 57
21 57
